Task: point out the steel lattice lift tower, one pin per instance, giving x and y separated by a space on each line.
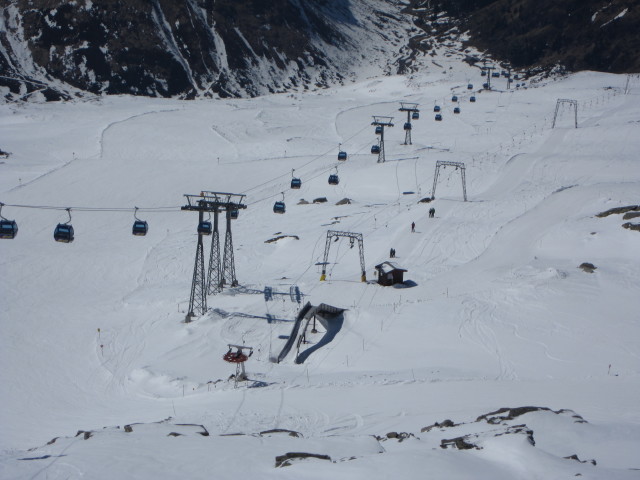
444 164
335 234
211 202
412 111
382 122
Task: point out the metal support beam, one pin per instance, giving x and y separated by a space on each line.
382 122
457 165
214 274
229 266
571 103
198 297
410 108
327 246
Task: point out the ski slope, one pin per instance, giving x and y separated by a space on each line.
497 315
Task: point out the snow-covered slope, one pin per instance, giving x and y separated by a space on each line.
495 312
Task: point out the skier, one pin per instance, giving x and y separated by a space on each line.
432 212
413 227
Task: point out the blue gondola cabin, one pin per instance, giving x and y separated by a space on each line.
204 228
342 156
140 228
63 233
8 229
279 207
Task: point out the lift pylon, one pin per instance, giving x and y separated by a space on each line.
457 165
382 122
572 104
410 108
211 202
335 234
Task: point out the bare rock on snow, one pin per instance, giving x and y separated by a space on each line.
285 460
587 267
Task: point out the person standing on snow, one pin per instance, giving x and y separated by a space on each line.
413 227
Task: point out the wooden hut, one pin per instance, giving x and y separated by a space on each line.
389 274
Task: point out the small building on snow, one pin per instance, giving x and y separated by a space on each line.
389 274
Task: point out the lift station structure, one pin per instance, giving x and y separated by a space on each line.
412 112
219 272
381 122
335 235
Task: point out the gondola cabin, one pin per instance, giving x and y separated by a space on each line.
495 75
456 110
342 156
375 149
204 228
472 99
279 207
485 86
379 130
436 108
140 228
233 214
334 179
63 233
470 87
438 117
296 183
454 98
415 116
407 126
8 229
483 73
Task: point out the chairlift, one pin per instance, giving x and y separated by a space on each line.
470 86
472 99
8 228
279 206
375 149
454 98
456 110
436 108
438 117
415 116
378 129
407 126
140 227
64 231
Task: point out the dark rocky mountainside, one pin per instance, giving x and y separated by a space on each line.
602 35
224 48
195 47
